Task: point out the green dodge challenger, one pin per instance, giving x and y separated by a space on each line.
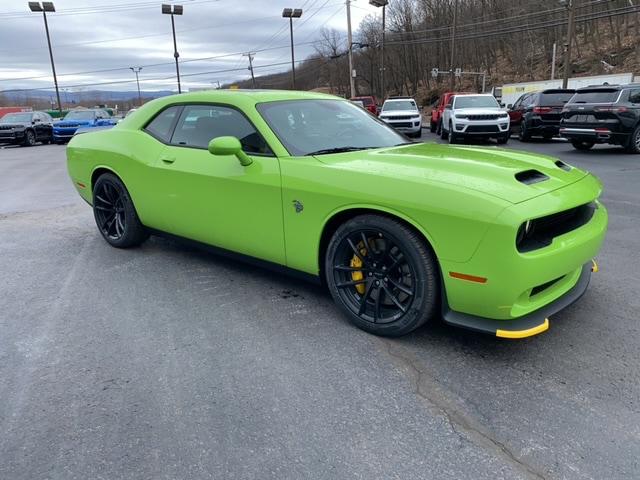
401 233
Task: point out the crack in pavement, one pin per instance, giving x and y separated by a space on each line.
461 423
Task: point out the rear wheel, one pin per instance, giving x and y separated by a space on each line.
382 275
523 134
582 145
115 214
634 141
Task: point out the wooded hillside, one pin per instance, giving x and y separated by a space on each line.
512 40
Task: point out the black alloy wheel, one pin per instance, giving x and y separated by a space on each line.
523 133
382 275
114 213
634 141
453 138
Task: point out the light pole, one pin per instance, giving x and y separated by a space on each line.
44 8
136 70
567 52
253 79
292 13
176 10
453 45
352 81
383 4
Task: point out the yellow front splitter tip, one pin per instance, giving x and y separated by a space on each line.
594 265
529 332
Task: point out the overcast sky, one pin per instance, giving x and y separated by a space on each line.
93 35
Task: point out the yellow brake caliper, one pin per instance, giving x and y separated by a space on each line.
357 263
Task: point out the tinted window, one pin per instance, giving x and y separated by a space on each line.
399 105
555 98
199 124
160 126
306 126
634 95
16 117
595 96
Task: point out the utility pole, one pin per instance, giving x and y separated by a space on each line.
292 13
136 70
453 44
44 8
253 79
553 61
383 4
567 52
174 10
352 82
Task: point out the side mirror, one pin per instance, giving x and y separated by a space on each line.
448 107
509 107
36 120
229 146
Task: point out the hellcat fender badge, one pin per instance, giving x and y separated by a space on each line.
298 206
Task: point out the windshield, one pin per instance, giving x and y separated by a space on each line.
555 98
16 117
307 126
595 96
399 105
80 115
471 101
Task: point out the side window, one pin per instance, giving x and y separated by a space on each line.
517 102
160 126
199 124
634 95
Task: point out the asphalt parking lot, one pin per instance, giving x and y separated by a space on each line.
164 362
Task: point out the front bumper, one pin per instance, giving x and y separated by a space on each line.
480 128
528 325
11 136
411 125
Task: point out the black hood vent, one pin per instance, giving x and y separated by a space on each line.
529 177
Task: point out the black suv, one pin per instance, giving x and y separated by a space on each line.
26 128
538 113
603 114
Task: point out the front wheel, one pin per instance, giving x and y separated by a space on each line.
503 139
523 134
29 138
443 133
582 145
433 126
382 275
115 214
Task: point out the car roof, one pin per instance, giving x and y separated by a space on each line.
398 99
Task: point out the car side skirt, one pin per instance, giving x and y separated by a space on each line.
528 325
223 252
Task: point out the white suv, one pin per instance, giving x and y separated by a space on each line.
474 116
403 115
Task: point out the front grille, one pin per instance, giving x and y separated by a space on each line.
67 125
483 117
543 230
402 124
400 117
6 127
482 129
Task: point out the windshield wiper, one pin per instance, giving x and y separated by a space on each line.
336 150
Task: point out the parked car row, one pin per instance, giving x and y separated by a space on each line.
586 116
29 128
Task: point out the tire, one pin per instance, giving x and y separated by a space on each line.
115 214
439 127
443 133
633 145
29 138
359 258
582 145
503 139
453 138
433 126
523 133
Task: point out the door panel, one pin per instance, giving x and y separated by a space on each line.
214 199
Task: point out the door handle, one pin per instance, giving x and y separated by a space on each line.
168 159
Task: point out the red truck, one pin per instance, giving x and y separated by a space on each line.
369 102
5 110
436 113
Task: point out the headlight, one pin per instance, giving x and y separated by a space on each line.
416 116
504 115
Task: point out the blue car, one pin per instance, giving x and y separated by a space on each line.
64 129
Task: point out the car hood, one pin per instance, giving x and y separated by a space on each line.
506 174
479 111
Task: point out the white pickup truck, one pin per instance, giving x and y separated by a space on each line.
478 116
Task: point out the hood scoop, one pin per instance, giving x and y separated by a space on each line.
529 177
